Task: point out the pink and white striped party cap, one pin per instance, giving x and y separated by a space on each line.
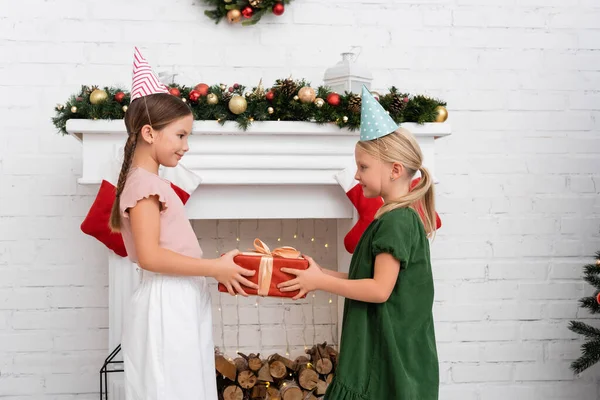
144 81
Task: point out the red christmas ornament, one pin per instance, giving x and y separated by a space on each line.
194 95
230 89
119 96
270 95
248 12
405 99
333 99
278 9
202 88
174 91
598 298
236 85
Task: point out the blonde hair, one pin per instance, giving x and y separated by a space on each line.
401 147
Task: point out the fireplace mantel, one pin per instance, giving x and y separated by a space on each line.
273 170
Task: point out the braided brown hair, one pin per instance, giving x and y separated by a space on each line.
157 110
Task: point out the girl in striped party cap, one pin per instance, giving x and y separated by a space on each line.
167 343
388 348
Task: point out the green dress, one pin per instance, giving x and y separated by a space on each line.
388 350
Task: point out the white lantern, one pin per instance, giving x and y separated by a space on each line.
348 75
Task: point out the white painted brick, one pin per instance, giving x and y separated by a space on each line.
459 352
482 373
30 342
96 339
553 291
545 331
76 382
562 310
564 350
515 311
510 391
569 390
24 299
555 371
583 184
518 270
487 332
21 385
509 352
567 269
458 270
459 312
60 319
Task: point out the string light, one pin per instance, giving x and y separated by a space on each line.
330 301
326 245
295 236
312 239
237 239
279 239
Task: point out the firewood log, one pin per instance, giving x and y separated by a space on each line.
308 395
241 364
233 392
286 361
264 373
329 379
225 367
246 379
273 393
259 392
300 361
321 388
277 369
307 376
290 391
254 362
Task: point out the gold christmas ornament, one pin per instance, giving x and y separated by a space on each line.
212 99
124 108
247 94
73 109
442 114
270 110
255 3
307 94
319 102
223 86
59 107
234 16
98 96
598 262
184 99
259 92
238 104
296 98
345 119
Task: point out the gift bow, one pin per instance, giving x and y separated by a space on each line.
265 271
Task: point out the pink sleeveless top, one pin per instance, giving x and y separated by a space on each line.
176 232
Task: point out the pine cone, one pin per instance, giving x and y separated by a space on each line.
397 104
354 103
287 87
226 97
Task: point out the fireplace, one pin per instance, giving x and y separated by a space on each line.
275 181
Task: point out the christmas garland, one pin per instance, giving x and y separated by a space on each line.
287 100
250 10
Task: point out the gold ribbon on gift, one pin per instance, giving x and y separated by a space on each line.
265 271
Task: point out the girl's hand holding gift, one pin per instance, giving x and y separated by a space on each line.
305 280
232 275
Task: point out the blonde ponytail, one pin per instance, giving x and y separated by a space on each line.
401 147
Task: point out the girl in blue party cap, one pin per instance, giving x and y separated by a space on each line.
388 348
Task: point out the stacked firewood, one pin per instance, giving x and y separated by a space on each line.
249 377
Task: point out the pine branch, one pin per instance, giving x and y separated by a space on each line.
591 304
590 356
584 329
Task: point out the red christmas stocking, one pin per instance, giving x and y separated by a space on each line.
367 208
95 224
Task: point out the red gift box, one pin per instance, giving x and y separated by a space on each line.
267 265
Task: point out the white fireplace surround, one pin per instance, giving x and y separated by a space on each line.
274 170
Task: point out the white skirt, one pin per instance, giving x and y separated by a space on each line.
167 345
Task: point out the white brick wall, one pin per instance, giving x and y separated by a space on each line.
519 187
